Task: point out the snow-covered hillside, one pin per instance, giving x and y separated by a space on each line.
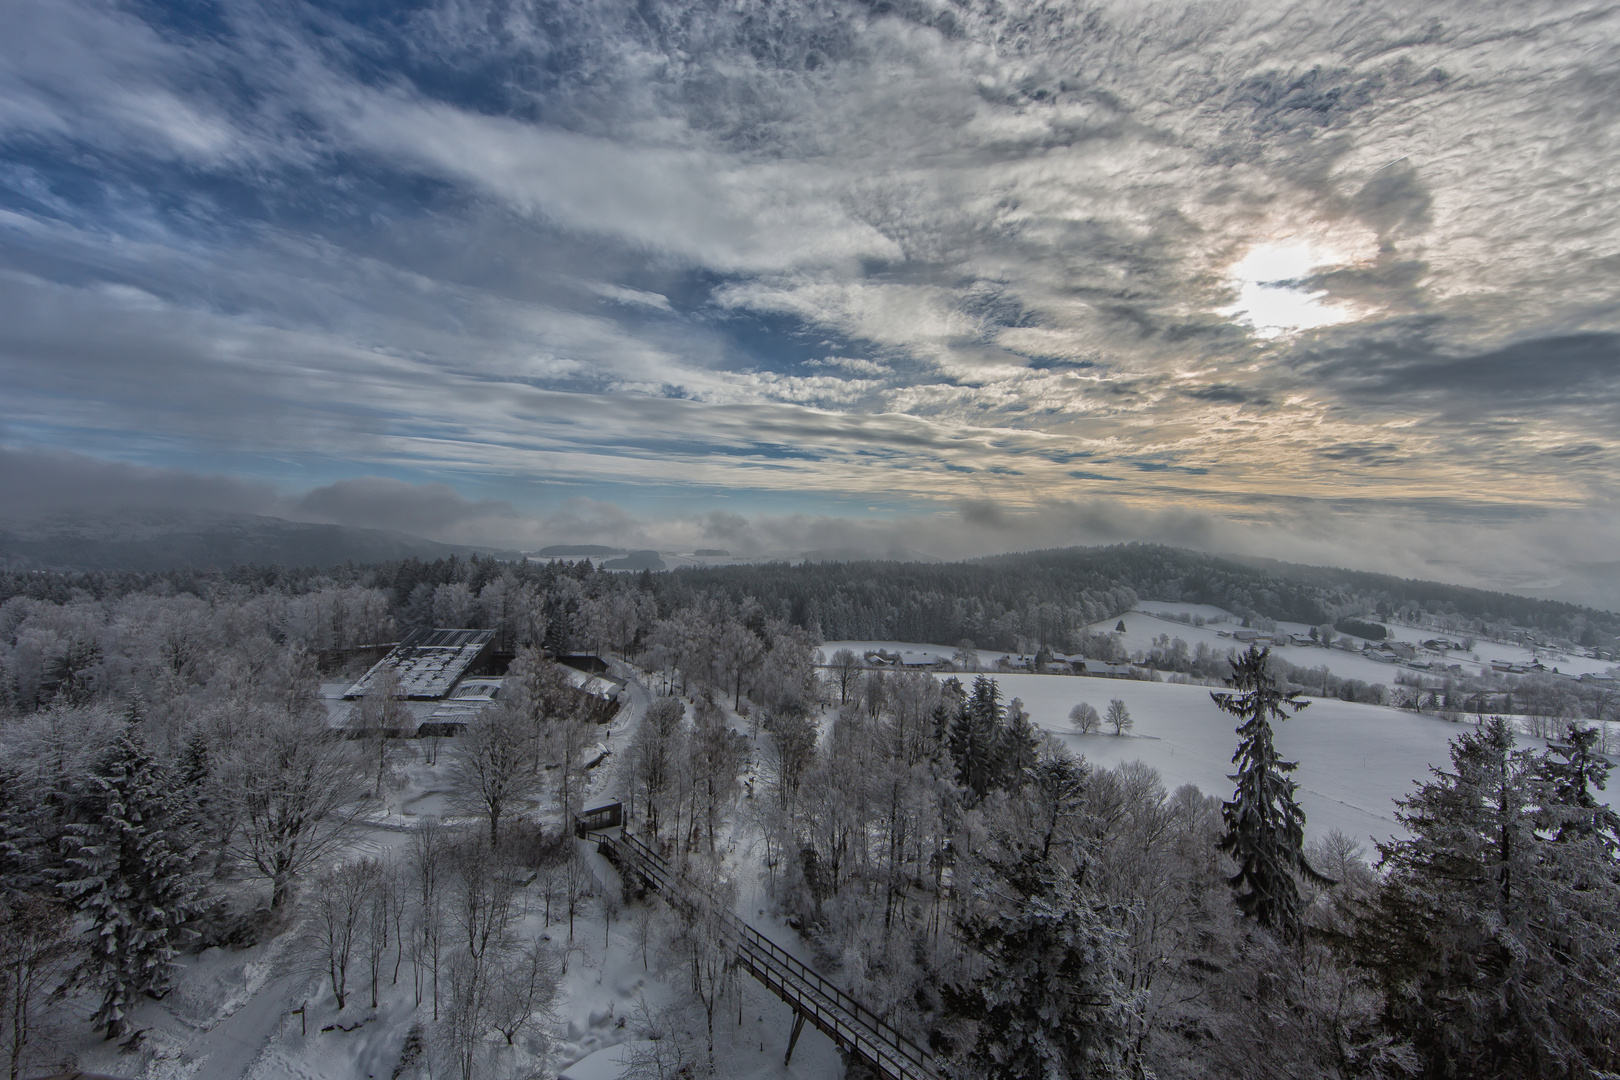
1142 627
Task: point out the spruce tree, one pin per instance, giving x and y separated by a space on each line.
1051 1003
1574 770
975 739
1020 747
1265 827
1495 935
129 874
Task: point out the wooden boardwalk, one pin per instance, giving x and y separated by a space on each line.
856 1029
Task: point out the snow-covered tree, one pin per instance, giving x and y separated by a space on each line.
1058 786
652 753
129 875
975 738
1119 716
718 755
698 943
293 784
454 605
1020 746
790 753
1085 717
37 948
1265 827
1050 1003
1575 770
338 926
1496 935
846 668
493 766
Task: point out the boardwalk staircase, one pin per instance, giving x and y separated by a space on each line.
856 1030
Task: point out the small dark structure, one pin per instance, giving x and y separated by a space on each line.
598 818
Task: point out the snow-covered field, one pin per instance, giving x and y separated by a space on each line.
1141 628
1354 760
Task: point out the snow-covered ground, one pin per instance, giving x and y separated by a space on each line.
230 1015
1482 654
1355 760
1141 628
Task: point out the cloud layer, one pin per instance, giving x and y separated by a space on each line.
1221 272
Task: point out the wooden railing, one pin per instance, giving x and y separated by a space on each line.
854 1027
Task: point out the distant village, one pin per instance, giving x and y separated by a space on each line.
1430 655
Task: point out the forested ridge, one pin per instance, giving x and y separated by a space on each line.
1010 602
1039 596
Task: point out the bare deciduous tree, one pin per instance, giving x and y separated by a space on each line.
381 717
644 918
523 984
493 766
1085 717
339 911
1119 716
429 854
698 944
567 738
36 950
294 783
846 667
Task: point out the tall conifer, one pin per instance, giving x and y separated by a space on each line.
976 737
1495 934
129 875
1265 827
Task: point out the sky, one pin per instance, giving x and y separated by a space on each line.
1335 282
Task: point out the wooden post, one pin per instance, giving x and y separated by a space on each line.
798 1026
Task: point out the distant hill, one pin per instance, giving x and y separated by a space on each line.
163 540
578 551
1000 599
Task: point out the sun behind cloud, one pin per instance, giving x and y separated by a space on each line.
1274 297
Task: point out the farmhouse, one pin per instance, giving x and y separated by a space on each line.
1103 669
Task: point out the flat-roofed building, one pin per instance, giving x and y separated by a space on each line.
429 664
